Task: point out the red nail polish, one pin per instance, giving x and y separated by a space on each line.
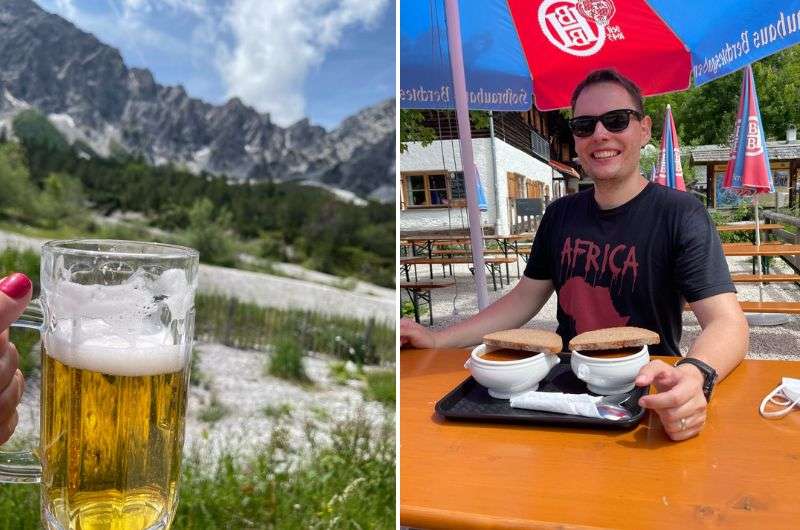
16 285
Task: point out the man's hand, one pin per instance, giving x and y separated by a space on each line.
415 335
679 401
15 293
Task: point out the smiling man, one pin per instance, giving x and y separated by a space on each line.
625 253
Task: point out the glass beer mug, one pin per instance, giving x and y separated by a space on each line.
117 320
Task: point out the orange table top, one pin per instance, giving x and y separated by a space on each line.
738 249
740 472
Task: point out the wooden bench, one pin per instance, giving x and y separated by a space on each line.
421 290
766 278
789 308
747 227
493 264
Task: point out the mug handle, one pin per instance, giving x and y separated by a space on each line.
23 466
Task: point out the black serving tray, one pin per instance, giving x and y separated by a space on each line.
471 401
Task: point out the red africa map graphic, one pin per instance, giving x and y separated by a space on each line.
590 307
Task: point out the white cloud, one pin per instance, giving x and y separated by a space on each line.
279 42
196 7
67 8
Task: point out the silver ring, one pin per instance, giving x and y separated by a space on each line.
683 424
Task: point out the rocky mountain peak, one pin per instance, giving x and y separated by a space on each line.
49 64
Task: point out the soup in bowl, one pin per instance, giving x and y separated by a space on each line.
611 371
507 372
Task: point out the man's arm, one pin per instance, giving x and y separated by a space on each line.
722 344
724 338
513 310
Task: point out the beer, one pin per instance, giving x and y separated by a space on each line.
112 442
117 321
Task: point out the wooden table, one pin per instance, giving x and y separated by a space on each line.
741 472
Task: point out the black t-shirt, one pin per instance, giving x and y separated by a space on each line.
630 265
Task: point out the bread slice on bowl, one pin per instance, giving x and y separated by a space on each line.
535 340
613 338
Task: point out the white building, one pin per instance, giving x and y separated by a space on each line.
433 198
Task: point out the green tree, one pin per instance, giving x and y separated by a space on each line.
18 194
30 126
208 233
62 202
413 130
707 114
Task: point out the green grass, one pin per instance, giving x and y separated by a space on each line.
277 412
286 360
339 372
196 376
347 484
381 387
214 411
26 341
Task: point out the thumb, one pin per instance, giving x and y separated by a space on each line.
16 291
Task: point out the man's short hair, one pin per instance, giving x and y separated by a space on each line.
610 76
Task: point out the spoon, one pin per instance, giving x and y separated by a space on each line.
610 407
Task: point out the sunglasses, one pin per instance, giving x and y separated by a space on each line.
614 121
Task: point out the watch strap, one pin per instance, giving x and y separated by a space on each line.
709 374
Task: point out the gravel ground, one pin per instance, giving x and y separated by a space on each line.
459 302
267 290
237 379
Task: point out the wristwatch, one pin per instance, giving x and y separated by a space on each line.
709 374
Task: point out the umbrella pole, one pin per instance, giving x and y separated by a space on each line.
465 141
758 245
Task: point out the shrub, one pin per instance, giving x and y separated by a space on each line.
287 360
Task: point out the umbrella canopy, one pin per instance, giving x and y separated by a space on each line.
507 43
748 171
670 172
483 205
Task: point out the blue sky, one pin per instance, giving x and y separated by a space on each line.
321 59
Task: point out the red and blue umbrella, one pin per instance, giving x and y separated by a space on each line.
669 171
748 172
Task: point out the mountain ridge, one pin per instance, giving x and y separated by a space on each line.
87 91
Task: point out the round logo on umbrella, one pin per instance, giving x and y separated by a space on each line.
565 26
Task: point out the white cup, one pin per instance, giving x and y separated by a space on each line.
609 375
504 379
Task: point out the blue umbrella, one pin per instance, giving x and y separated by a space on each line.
482 204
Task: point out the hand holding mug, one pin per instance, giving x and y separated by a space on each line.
16 293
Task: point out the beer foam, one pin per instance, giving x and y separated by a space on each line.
129 329
113 356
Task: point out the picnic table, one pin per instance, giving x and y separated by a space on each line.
740 472
423 244
492 264
422 291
